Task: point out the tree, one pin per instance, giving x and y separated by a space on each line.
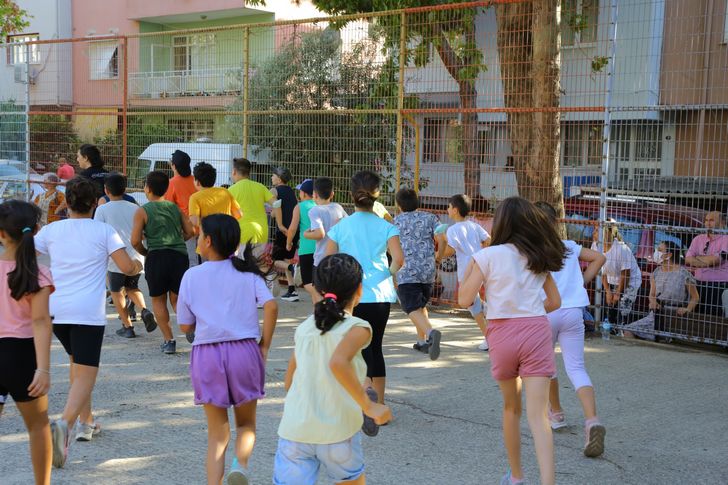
12 131
12 18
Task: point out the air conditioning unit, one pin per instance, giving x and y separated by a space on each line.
19 74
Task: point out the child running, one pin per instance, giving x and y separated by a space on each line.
323 216
165 229
209 199
300 223
367 238
416 279
322 414
463 239
25 329
227 365
514 270
79 249
280 253
567 327
119 213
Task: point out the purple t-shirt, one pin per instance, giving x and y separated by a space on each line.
221 301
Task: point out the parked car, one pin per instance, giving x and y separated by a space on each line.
14 183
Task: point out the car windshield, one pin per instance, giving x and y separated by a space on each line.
10 171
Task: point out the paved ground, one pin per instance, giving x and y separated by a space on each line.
664 408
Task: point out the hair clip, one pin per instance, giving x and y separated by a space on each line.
330 295
26 229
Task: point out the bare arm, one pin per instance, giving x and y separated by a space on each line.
395 250
128 266
187 328
315 234
188 230
653 305
694 297
343 371
288 379
485 244
137 231
332 248
270 317
293 228
595 259
470 287
42 329
553 298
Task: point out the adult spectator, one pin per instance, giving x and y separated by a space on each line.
181 187
92 167
708 255
252 197
672 286
621 276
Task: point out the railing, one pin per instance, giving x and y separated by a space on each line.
224 81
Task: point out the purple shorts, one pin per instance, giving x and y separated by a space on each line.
227 374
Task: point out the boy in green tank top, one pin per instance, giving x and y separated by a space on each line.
165 229
301 223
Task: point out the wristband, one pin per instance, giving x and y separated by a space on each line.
44 371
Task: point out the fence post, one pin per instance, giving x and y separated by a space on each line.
124 103
246 84
27 122
400 96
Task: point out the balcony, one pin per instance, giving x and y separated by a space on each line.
178 84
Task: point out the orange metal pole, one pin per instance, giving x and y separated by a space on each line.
125 44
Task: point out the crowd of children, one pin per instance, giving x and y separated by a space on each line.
191 235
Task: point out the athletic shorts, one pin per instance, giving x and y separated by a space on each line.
300 463
17 367
82 342
305 262
414 296
279 252
164 269
117 281
520 347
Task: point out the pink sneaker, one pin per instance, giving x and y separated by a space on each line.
595 432
557 420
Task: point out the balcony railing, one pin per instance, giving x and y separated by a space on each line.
198 82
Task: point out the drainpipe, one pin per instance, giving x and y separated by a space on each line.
704 89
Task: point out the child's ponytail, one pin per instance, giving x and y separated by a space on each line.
337 278
19 220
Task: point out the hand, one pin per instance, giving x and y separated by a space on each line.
682 311
263 352
40 385
380 413
608 298
289 246
283 230
654 305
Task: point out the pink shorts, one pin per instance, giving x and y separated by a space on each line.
520 347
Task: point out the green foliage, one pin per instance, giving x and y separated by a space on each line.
598 63
52 136
12 131
12 18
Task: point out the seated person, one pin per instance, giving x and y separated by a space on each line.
708 255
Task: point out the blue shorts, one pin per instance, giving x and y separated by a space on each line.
477 306
299 463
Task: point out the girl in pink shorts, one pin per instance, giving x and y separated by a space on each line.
514 270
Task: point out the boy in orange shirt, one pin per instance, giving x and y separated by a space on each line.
181 188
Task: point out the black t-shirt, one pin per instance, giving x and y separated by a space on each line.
97 176
288 202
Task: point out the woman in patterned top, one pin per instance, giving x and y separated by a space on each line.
672 287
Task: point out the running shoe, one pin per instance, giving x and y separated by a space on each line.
59 440
370 428
169 347
506 480
421 347
126 332
237 475
433 342
483 345
557 420
149 322
190 336
595 433
290 296
85 432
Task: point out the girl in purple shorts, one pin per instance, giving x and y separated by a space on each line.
514 270
218 301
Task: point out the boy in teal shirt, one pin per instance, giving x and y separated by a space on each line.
300 222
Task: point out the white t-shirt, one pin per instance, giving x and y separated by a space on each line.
119 214
79 251
324 217
466 238
620 258
570 280
511 289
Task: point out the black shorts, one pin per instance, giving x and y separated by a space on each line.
414 296
17 367
305 262
82 342
117 281
279 251
164 269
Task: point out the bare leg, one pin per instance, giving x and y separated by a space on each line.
480 320
245 431
537 398
35 416
218 437
137 297
315 295
78 404
588 401
511 391
161 314
120 304
379 384
421 321
554 400
282 265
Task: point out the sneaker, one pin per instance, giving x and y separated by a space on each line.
370 428
290 296
149 322
433 341
190 336
423 347
506 480
85 432
131 309
557 420
59 440
237 475
483 345
126 332
169 347
595 433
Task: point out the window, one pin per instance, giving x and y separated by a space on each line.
636 150
582 144
103 60
191 130
193 52
17 53
579 21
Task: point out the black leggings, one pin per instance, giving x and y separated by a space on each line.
377 315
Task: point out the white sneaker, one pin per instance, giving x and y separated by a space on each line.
85 432
483 345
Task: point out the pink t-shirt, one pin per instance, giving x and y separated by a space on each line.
717 246
15 317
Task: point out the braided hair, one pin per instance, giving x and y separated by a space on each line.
337 278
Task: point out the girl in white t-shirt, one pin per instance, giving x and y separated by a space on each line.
514 270
323 409
567 326
621 277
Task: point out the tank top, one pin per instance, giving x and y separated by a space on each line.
305 246
164 226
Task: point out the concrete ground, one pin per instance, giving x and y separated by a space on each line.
664 408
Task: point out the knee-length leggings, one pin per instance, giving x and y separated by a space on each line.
377 315
567 327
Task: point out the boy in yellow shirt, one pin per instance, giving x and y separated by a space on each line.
209 199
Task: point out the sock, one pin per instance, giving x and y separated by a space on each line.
421 342
591 421
291 288
427 334
515 481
